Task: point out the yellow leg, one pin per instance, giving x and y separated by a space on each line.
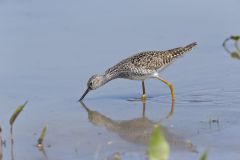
172 94
170 87
144 96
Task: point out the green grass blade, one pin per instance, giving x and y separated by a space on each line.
235 37
16 113
204 155
42 136
158 147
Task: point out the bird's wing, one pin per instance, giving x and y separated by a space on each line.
148 60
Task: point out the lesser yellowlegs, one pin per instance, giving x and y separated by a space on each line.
141 66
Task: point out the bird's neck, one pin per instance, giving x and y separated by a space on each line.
107 77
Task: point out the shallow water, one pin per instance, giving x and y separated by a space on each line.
50 49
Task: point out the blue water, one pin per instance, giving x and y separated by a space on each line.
49 49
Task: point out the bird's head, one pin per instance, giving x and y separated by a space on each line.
93 83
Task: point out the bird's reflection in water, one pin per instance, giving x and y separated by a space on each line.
137 130
144 106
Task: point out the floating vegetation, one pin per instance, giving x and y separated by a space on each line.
117 156
41 138
190 146
158 147
204 155
216 120
235 53
15 115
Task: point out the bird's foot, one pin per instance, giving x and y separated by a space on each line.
144 98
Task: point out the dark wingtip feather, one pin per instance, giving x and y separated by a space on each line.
190 46
177 52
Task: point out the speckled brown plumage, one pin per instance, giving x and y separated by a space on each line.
146 63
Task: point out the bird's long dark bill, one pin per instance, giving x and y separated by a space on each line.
84 94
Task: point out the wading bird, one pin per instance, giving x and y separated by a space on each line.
141 66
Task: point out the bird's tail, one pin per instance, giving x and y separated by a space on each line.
176 52
190 46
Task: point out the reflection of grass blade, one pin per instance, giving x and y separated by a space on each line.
41 138
16 113
204 155
158 147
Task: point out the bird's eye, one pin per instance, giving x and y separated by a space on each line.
90 83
